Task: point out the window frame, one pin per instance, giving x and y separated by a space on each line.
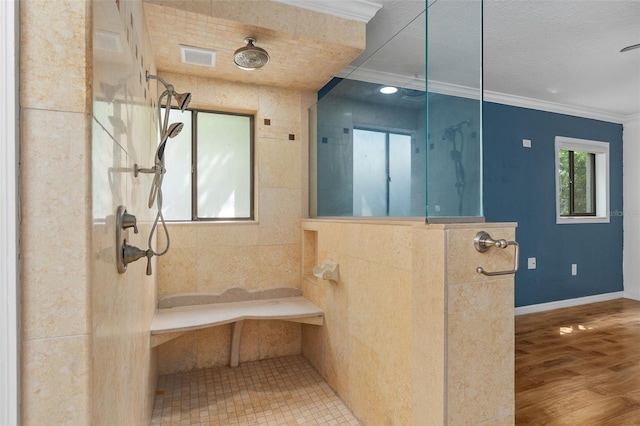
601 180
387 131
194 167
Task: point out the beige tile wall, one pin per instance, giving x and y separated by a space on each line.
480 330
55 76
265 253
124 130
86 117
413 334
364 348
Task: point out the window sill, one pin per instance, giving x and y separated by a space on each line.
581 220
212 222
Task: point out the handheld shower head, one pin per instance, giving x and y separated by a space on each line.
158 170
173 131
166 132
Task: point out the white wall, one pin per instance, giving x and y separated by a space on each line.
631 197
8 202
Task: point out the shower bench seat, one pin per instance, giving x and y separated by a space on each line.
179 313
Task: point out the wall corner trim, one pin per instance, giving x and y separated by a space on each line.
9 334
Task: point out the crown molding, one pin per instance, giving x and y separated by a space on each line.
631 118
521 101
454 90
353 10
378 77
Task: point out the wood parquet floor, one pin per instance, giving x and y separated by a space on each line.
579 365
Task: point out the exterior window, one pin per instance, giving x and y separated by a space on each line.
209 167
582 181
381 173
577 175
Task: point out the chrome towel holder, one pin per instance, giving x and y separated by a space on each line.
483 242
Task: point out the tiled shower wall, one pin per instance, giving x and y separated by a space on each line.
124 132
265 253
413 334
55 186
86 119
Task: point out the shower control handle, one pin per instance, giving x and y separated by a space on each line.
126 253
129 221
149 253
133 253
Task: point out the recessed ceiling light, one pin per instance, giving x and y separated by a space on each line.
388 90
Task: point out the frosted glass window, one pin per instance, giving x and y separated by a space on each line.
224 166
381 173
209 167
369 173
176 185
399 175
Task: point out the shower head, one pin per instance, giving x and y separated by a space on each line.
183 100
250 57
174 130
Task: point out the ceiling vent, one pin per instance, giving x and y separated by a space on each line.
198 56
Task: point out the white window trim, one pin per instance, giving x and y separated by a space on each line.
601 150
9 336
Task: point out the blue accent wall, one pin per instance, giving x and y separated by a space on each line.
519 186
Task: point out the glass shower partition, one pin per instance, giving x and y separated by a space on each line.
399 134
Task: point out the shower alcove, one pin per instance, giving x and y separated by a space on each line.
387 186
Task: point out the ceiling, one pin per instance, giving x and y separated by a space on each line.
304 56
562 55
558 55
565 52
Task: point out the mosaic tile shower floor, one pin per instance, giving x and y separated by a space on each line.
278 391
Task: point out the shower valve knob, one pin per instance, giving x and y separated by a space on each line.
129 221
133 253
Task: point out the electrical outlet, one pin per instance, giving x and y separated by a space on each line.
526 143
531 263
574 269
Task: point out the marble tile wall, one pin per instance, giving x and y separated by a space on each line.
480 329
265 253
55 75
124 132
86 118
364 348
413 334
